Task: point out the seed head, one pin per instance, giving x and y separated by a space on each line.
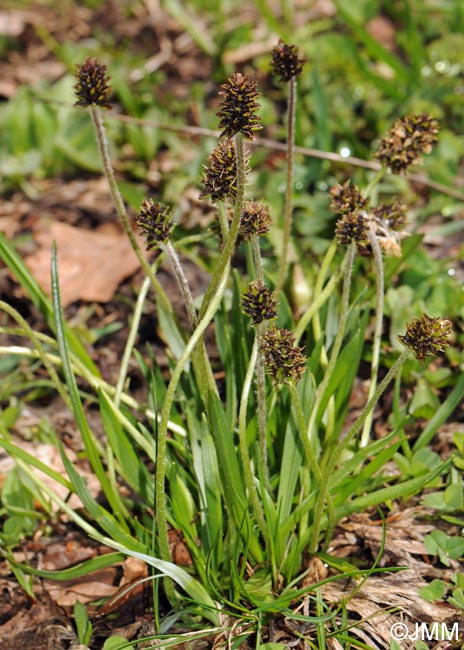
254 220
285 361
347 198
427 336
220 175
348 201
286 61
390 215
239 107
407 140
92 84
154 222
259 303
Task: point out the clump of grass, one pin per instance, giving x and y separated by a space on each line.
254 474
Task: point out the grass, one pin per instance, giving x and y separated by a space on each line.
254 471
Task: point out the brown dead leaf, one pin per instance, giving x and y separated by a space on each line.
63 555
87 588
91 264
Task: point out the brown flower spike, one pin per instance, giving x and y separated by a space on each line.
254 220
407 140
92 84
390 215
239 107
427 336
286 61
154 222
348 201
220 175
259 302
284 361
347 198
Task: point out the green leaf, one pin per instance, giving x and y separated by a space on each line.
193 588
78 411
442 414
41 301
433 591
83 625
373 46
231 476
457 599
82 569
131 464
438 543
117 643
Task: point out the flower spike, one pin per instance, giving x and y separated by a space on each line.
239 107
286 61
92 84
407 140
427 336
154 222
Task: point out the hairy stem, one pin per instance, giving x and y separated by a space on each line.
95 112
289 184
160 493
379 300
337 343
246 462
229 244
328 469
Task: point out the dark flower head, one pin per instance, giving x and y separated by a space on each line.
348 201
220 175
254 220
407 140
154 222
347 198
285 362
352 227
390 215
239 107
92 84
259 302
286 61
427 336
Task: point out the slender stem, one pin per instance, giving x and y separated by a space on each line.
261 377
137 315
375 180
229 244
262 414
243 444
307 445
160 494
317 329
379 298
337 343
176 266
289 184
342 445
257 258
317 303
223 221
95 112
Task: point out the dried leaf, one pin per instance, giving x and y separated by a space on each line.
91 264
